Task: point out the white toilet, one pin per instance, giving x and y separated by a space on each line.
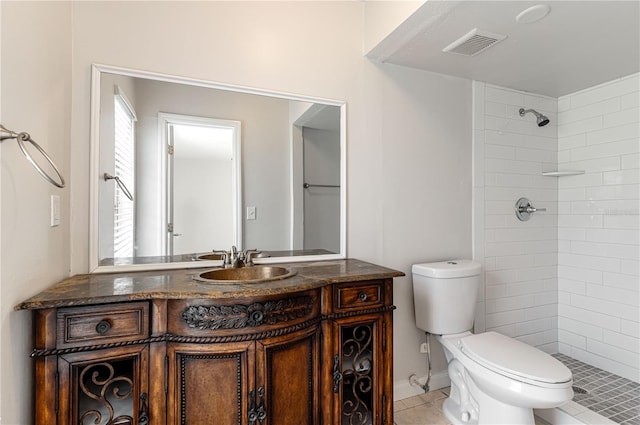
494 379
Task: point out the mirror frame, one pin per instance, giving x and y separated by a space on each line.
94 172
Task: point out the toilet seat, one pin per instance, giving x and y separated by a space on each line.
515 359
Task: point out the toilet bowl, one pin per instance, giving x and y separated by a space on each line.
495 379
506 378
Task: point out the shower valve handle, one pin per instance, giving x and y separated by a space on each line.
529 209
524 209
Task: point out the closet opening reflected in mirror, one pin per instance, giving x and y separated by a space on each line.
211 166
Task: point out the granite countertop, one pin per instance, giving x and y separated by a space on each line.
180 284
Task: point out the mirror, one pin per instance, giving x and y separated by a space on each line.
181 167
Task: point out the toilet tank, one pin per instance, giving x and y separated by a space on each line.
445 295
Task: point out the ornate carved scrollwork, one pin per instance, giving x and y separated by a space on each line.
143 411
256 413
101 388
239 316
357 374
337 376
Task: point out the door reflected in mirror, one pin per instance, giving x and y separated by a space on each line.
213 166
201 153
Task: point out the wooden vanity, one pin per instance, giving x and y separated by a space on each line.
160 347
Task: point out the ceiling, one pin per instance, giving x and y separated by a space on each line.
577 45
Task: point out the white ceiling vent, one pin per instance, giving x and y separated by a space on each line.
474 42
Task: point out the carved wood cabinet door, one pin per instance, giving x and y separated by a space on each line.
104 387
269 381
287 372
361 371
210 383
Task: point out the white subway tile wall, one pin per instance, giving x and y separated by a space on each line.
598 226
519 258
568 279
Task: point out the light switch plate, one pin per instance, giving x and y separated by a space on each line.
251 213
55 210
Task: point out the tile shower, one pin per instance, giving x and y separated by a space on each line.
567 280
609 395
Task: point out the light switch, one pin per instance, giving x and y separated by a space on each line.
55 210
251 213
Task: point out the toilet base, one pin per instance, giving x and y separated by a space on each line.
451 410
490 411
493 411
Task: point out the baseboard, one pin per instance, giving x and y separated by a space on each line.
403 389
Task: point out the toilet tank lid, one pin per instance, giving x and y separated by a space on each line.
447 269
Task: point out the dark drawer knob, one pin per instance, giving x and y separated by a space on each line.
362 296
103 327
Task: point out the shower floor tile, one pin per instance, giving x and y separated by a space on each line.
605 393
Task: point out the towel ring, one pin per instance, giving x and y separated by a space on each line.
25 137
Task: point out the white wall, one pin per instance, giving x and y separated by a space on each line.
381 18
415 179
518 297
36 88
408 132
599 243
246 43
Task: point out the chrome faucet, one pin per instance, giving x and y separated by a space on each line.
233 258
248 256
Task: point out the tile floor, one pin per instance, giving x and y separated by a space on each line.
608 395
425 409
605 393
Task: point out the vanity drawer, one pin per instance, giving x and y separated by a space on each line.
102 324
369 294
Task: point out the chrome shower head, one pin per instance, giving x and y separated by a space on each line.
541 119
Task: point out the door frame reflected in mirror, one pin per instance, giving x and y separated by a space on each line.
158 263
228 182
